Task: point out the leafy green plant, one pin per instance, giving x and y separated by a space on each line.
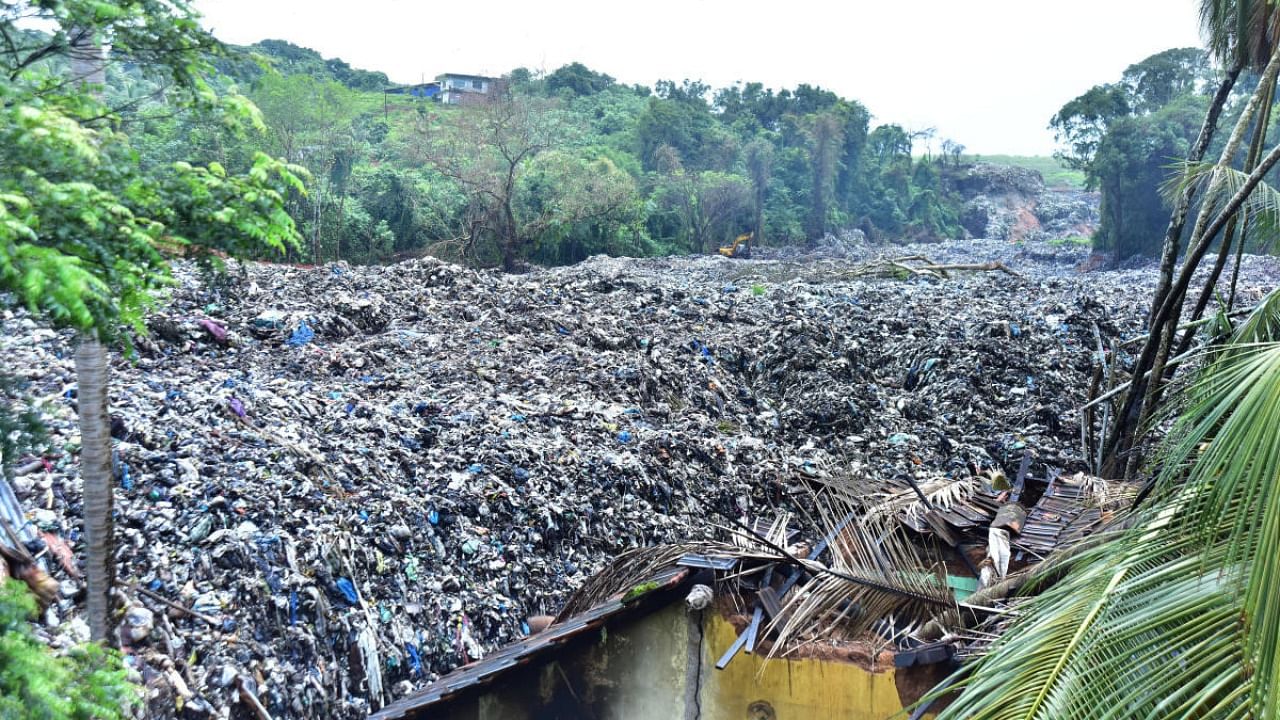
35 684
1072 241
639 591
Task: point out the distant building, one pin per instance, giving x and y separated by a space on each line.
421 90
457 89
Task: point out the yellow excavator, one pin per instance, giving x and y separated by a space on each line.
741 247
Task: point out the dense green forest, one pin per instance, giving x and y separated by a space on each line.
1129 139
562 166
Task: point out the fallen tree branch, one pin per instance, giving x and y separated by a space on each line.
213 622
248 698
896 267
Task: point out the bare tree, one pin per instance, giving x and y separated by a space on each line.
485 149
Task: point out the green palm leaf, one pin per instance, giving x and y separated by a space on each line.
1176 617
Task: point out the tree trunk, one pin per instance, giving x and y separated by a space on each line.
1133 406
1240 234
93 375
1178 219
510 234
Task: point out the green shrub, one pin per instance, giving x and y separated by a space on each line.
35 684
1076 240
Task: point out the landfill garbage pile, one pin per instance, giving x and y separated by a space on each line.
335 484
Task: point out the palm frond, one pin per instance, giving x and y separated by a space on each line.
1262 206
1229 437
942 492
1175 617
874 573
1185 176
1239 31
1262 324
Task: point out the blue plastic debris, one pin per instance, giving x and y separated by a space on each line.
302 335
625 437
415 660
521 474
126 481
433 517
517 417
475 468
293 607
348 590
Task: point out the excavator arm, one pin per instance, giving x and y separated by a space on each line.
741 246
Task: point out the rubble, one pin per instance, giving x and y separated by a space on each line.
337 483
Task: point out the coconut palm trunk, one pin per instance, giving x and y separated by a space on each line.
93 378
1141 399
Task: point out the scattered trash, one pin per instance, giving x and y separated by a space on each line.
465 448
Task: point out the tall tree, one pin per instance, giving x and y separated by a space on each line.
83 228
759 159
93 379
825 141
1242 33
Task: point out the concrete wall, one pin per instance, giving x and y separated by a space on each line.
662 667
632 672
753 688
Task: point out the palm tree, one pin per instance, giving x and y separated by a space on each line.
1242 34
93 377
1176 615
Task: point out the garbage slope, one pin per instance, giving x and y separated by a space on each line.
361 477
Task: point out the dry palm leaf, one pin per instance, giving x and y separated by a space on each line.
874 573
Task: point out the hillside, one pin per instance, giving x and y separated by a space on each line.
1056 175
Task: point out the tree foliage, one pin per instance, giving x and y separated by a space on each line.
86 684
1126 136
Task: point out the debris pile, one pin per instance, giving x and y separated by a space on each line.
336 484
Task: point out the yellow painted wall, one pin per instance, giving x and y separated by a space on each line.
793 689
640 670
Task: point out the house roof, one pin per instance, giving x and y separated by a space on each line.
1066 513
665 586
464 76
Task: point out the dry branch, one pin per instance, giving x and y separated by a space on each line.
896 267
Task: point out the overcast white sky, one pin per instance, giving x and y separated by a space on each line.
986 73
